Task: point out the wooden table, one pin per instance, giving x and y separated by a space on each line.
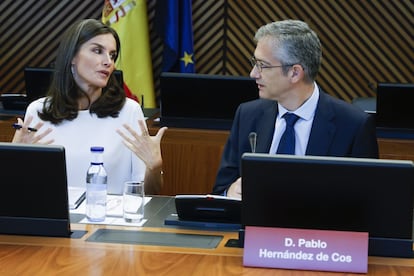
22 255
30 255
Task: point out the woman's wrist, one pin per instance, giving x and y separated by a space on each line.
156 170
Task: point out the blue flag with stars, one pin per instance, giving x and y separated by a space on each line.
173 22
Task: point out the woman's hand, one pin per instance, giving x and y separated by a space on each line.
30 134
146 147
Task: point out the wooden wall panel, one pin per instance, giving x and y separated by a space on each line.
364 42
30 32
209 19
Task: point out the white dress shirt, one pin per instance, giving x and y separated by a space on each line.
78 135
303 125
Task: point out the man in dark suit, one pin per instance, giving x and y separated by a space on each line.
285 65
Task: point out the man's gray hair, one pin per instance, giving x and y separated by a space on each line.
294 42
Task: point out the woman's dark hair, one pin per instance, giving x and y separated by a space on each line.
62 97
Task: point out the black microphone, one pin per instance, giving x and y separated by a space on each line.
252 140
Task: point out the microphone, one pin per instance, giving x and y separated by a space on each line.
252 140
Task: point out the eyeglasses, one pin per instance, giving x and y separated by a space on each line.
261 66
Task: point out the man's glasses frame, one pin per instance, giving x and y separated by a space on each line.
254 62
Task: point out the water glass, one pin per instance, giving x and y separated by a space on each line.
133 201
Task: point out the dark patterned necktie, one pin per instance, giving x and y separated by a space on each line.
287 142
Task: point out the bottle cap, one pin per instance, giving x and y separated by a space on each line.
97 149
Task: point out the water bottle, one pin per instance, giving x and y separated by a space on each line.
96 181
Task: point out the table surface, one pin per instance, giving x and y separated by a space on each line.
32 255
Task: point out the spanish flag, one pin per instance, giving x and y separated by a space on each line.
129 19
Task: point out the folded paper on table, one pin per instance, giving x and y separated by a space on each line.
114 206
114 221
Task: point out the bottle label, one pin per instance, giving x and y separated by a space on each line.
96 202
96 187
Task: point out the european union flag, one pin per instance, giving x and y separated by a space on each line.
174 23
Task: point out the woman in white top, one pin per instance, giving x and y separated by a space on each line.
85 106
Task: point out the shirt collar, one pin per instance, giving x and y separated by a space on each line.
307 110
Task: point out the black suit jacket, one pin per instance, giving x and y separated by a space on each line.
338 129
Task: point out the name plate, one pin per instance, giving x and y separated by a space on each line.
304 249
